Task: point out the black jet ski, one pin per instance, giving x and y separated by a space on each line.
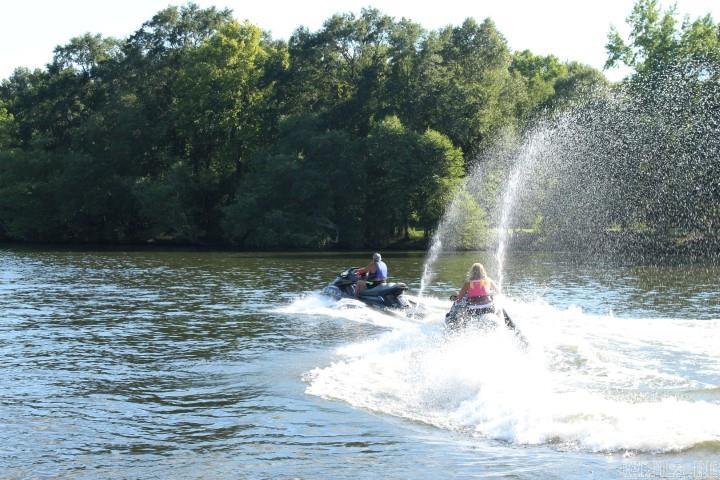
484 317
385 295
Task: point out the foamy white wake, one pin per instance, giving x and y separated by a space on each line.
597 383
316 304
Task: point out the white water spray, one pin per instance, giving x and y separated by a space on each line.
450 216
525 160
428 272
591 382
502 228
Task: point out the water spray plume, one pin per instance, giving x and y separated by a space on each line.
631 172
527 155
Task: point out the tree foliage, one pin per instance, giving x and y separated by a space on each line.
656 42
198 128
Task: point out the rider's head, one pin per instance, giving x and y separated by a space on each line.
477 272
377 257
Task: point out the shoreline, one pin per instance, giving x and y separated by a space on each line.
659 255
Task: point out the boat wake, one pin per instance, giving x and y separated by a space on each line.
596 383
316 304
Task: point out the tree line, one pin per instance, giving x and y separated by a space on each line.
199 129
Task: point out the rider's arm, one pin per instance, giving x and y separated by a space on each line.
462 293
363 270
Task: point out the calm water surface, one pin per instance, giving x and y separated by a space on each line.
229 365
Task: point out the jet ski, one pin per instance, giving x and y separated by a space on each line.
385 295
464 315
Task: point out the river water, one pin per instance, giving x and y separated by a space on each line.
119 364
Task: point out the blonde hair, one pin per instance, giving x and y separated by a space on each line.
477 272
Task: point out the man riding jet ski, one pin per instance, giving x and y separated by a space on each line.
369 285
474 305
376 273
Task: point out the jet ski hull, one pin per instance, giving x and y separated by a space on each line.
388 295
462 316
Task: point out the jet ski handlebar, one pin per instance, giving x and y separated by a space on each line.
350 273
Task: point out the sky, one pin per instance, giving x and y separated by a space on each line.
570 29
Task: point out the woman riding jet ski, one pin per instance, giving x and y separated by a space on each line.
373 290
474 305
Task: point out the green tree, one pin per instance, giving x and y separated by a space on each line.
403 86
540 73
415 174
580 82
340 70
86 53
546 83
656 43
7 128
221 93
465 73
440 171
304 191
653 38
466 226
